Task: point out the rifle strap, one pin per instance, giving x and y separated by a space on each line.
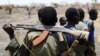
19 35
32 53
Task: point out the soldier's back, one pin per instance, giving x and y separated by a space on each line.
48 47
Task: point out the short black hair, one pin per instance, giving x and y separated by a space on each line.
72 15
40 13
81 12
62 20
49 16
93 14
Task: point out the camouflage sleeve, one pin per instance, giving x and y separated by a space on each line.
13 45
32 35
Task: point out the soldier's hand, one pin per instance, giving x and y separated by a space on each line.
82 36
8 28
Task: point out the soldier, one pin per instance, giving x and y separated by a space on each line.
29 11
83 27
73 18
10 10
90 23
62 21
48 46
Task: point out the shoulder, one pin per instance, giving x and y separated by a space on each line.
87 21
81 26
32 34
91 24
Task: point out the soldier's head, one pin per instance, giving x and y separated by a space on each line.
93 14
81 12
48 16
62 21
72 15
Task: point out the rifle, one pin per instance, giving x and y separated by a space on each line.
75 33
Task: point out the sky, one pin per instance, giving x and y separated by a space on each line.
27 2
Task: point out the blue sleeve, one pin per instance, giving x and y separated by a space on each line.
91 35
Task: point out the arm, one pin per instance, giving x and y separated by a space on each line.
91 26
9 30
77 34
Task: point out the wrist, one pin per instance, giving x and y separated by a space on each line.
11 36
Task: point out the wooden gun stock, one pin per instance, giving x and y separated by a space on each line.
70 50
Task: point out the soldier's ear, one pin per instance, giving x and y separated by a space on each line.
40 19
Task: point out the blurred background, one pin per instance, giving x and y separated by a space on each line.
25 12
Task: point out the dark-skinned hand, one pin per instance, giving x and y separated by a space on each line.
9 29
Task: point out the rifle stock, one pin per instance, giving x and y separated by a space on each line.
70 50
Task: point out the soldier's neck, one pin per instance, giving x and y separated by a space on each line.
69 23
